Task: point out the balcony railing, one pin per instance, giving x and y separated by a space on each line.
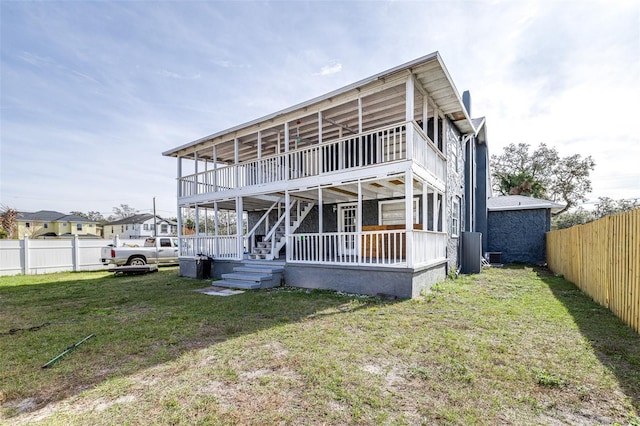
379 146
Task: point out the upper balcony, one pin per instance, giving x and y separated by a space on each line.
369 149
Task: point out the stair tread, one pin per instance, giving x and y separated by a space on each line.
259 269
247 276
246 285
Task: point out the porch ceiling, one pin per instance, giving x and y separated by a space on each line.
383 103
391 187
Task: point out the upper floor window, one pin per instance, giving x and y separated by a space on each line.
27 225
79 227
164 228
45 226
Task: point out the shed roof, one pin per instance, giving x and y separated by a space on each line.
521 202
139 218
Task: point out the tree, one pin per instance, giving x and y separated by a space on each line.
91 215
8 219
607 206
124 211
542 174
604 207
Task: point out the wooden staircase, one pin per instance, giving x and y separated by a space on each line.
269 248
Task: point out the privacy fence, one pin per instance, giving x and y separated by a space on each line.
55 255
603 259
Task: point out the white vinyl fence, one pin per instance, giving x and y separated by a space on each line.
45 256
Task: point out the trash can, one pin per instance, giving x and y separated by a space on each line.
203 267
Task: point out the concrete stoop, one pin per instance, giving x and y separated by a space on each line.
253 275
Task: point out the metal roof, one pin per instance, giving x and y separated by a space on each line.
520 202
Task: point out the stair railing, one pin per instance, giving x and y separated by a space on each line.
265 217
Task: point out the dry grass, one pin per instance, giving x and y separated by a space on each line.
509 346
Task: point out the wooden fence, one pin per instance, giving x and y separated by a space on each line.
603 259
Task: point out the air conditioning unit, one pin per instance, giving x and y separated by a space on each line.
494 257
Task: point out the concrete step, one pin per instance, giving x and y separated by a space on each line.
256 269
245 285
246 276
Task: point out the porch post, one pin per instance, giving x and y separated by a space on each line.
320 155
425 204
259 171
236 160
287 223
359 224
360 144
239 227
425 113
216 227
408 209
410 106
215 168
179 210
436 118
320 226
286 152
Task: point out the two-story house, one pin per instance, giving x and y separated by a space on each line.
49 223
365 189
140 226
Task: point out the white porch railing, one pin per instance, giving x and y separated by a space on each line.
218 247
385 248
374 147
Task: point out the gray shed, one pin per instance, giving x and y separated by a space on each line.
517 226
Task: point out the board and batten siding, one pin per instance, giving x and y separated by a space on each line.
603 259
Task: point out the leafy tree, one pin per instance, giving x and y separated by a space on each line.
124 211
607 206
604 207
542 173
577 217
8 219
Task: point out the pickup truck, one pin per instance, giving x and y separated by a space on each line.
160 250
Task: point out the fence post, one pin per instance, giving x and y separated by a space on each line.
76 253
25 255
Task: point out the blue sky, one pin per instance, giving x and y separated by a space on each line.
93 92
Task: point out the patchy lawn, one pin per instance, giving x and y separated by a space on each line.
514 345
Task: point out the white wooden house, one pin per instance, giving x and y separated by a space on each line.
365 189
140 226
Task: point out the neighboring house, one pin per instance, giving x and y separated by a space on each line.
49 223
365 189
517 228
140 226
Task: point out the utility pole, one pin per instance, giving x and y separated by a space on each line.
155 219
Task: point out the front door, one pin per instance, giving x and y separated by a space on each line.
348 223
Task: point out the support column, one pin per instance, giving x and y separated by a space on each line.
179 210
215 168
287 223
286 150
408 206
236 160
410 106
320 226
259 148
320 151
359 223
216 226
239 227
361 142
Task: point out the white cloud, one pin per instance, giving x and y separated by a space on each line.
330 69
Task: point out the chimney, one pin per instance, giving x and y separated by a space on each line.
466 100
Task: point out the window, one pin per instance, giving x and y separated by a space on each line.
164 228
64 225
392 212
455 217
45 226
27 225
165 242
79 227
145 226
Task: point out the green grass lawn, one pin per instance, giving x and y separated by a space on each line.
509 346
